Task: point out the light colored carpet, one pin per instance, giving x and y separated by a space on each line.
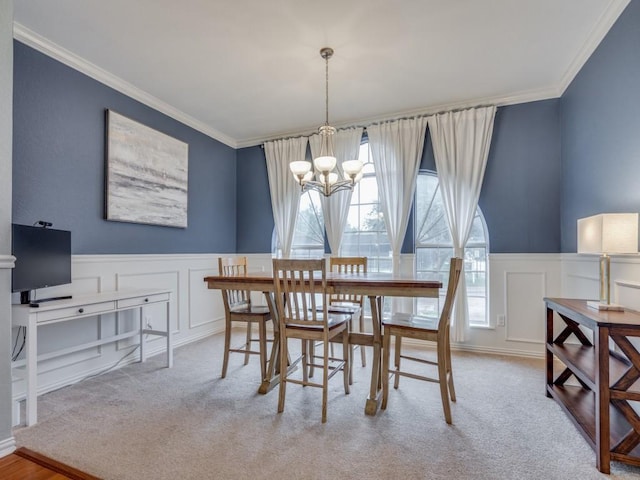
145 421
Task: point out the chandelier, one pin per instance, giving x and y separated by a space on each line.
327 181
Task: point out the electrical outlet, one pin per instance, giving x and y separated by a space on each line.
500 322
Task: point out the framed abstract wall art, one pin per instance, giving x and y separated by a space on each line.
146 174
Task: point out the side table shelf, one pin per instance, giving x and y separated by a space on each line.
599 404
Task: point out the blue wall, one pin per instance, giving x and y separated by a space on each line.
58 165
255 218
520 196
601 130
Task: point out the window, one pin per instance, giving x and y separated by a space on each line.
366 234
434 249
308 236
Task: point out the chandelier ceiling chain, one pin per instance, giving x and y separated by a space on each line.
327 181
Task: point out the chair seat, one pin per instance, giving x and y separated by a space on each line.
342 307
251 310
409 321
333 321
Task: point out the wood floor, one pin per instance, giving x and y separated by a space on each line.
25 464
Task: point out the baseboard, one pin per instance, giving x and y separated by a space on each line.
7 446
461 347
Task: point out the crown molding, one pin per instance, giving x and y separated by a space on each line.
47 47
601 29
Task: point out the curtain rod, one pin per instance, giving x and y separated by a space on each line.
364 127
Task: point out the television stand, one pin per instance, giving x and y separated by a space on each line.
26 300
85 307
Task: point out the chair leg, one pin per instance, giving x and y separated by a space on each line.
283 370
347 370
312 355
305 360
398 347
325 382
386 346
262 338
452 390
442 377
227 346
247 344
363 353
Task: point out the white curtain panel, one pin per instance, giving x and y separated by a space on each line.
335 208
396 148
285 191
461 142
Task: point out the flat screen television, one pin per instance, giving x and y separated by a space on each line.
43 259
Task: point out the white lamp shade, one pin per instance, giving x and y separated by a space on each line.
300 167
324 164
351 167
611 233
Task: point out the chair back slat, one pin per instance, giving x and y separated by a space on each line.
234 267
348 265
300 286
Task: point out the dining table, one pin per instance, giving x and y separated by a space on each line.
374 285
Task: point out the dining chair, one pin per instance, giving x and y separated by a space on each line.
353 301
418 327
300 287
239 308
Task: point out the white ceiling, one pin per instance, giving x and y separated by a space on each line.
243 71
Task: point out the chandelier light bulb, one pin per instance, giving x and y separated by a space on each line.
352 167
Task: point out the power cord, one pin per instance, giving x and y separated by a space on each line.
14 355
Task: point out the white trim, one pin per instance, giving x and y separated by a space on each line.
151 257
7 446
43 45
460 347
7 261
603 26
525 257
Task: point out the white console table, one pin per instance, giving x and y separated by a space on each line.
83 306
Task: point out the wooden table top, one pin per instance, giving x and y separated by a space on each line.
372 283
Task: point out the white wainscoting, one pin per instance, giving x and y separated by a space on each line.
517 285
196 312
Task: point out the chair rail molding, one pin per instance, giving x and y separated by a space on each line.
7 261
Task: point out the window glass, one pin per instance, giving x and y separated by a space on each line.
434 249
366 234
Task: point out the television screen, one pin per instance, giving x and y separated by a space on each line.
43 257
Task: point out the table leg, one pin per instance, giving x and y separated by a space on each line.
273 376
373 401
273 372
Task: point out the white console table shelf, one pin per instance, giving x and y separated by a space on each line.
83 306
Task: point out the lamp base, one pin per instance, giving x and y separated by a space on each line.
605 306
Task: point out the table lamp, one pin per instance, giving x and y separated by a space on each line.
607 234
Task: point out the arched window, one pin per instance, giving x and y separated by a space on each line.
366 234
434 249
308 236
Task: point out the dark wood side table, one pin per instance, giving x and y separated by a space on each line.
598 403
